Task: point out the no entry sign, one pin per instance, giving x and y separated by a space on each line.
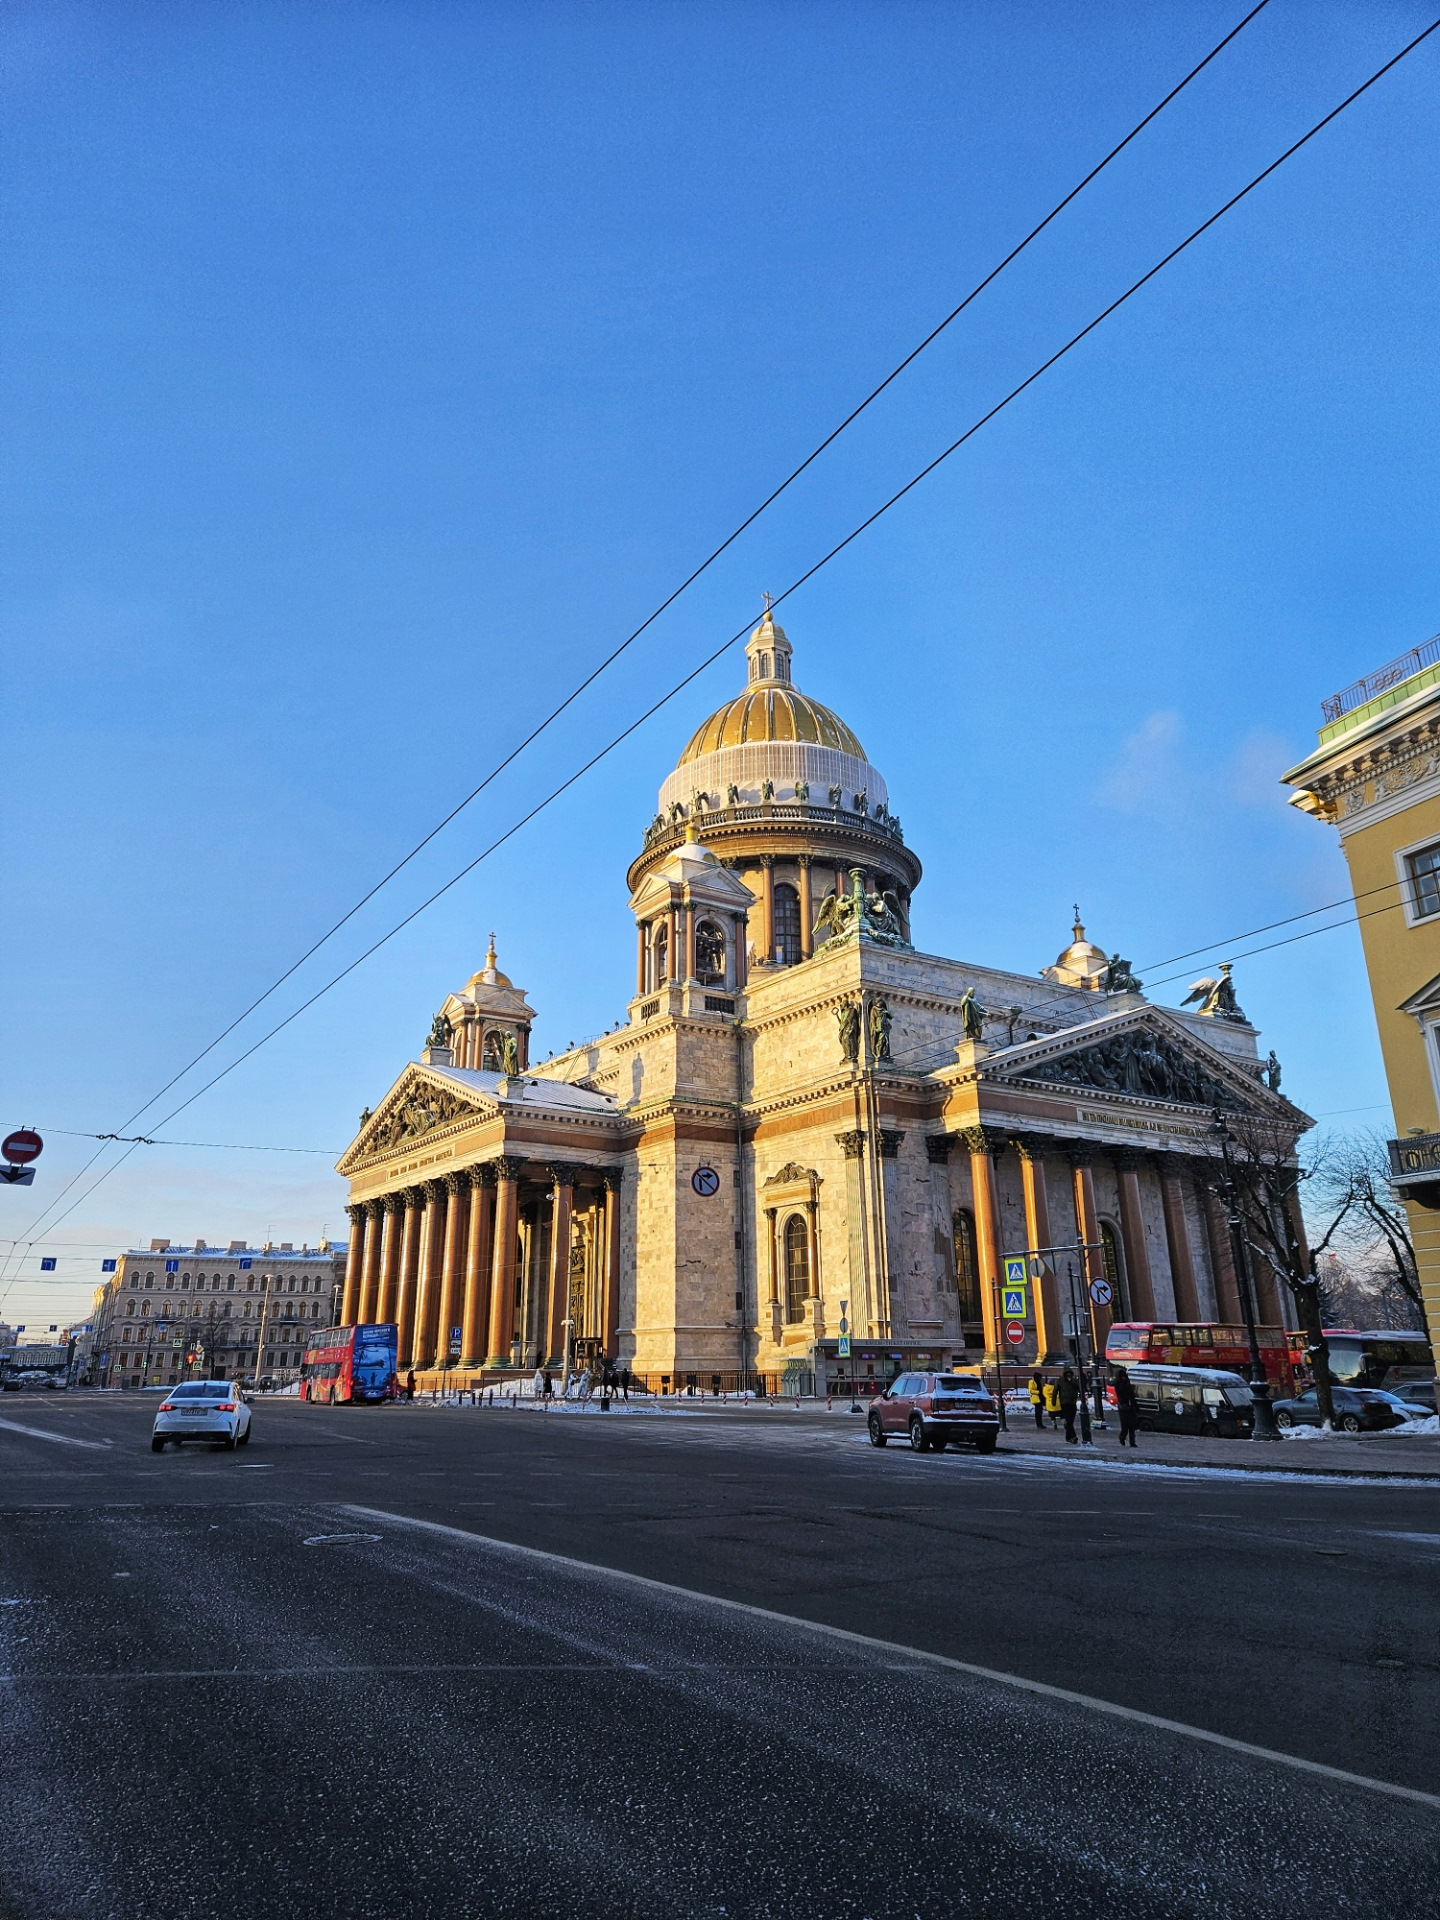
21 1147
1014 1333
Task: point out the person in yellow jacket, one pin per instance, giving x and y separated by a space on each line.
1037 1399
1052 1401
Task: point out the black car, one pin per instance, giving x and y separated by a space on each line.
1418 1395
1206 1400
1357 1410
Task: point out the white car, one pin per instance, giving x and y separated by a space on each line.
202 1410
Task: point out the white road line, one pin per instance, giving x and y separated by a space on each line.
64 1439
916 1654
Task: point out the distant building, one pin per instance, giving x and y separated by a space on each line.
1375 776
7 1335
168 1301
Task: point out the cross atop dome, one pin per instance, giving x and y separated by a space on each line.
768 651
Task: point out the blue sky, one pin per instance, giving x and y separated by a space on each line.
369 370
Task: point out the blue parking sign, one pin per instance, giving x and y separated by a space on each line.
172 1266
246 1263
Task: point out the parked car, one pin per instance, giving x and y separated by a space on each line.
1208 1400
212 1410
1357 1410
932 1409
1418 1395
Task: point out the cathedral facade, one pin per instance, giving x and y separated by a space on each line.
808 1149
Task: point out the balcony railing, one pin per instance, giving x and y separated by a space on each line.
1381 681
662 829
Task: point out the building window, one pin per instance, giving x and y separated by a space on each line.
787 925
1110 1258
660 956
797 1267
967 1267
492 1059
710 954
1424 871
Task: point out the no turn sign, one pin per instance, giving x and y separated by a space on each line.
21 1147
1014 1333
1100 1292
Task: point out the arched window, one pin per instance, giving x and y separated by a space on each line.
1114 1272
710 954
797 1267
967 1267
492 1059
660 950
787 925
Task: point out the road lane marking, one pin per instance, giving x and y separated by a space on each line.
918 1656
64 1439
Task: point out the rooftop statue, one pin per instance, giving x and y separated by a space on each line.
1118 977
440 1031
879 1030
509 1054
1215 998
875 916
847 1018
972 1016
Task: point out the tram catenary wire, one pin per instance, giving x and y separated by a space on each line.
809 574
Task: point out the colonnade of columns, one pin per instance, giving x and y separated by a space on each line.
469 1037
444 1255
665 947
1173 1170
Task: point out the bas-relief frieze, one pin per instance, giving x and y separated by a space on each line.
1143 1063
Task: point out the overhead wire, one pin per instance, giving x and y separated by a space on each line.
833 553
715 554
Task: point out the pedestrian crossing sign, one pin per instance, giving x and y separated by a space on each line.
1017 1270
843 1347
1012 1302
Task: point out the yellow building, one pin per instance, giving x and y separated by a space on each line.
1375 776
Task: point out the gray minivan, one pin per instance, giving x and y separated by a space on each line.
1191 1400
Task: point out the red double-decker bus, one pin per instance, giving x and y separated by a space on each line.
344 1364
1205 1344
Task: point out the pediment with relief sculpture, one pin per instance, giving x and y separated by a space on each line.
416 1107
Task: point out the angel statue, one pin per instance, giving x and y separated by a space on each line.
802 791
1119 977
972 1016
833 920
509 1054
879 1030
767 792
440 1031
732 795
1215 997
848 1020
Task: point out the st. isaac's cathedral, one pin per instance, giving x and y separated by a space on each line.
805 1134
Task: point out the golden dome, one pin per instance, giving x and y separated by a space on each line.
769 713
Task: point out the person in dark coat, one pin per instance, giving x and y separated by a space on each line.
410 1384
1069 1400
1125 1401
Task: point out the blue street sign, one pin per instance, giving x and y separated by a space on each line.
48 1266
172 1266
1017 1271
246 1263
843 1347
107 1266
1012 1302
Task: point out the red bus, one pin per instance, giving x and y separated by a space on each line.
344 1364
1206 1344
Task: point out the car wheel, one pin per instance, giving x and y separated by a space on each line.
157 1444
918 1441
244 1439
985 1443
1283 1420
231 1442
1350 1423
877 1432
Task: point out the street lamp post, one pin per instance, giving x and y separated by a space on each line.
1265 1428
1087 1438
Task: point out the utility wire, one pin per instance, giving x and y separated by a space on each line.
729 540
794 587
220 1146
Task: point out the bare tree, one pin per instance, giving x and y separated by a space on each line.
1352 1179
1268 1179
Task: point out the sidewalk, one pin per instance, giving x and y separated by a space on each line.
1367 1456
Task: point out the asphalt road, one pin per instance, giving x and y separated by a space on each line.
404 1661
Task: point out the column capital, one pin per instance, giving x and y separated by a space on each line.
1126 1159
889 1143
802 859
983 1139
937 1148
562 1173
414 1196
434 1191
767 859
393 1202
613 1177
457 1180
374 1209
1032 1146
1080 1157
852 1142
356 1212
483 1175
770 1213
508 1167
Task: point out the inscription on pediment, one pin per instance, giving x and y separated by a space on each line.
1141 1062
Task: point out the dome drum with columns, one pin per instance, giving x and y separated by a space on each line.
802 1118
783 794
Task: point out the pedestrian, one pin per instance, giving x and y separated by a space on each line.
1069 1400
548 1383
1125 1401
1037 1400
537 1385
1052 1401
410 1384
